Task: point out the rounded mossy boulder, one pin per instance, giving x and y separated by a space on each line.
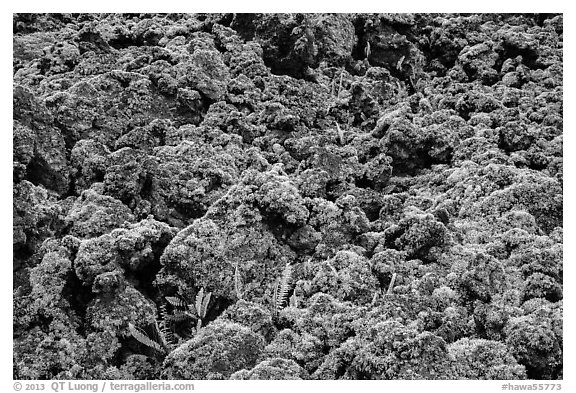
216 352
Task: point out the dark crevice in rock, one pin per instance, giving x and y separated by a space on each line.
281 229
21 254
243 24
78 296
39 172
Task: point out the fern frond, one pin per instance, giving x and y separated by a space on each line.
205 303
294 300
332 268
367 50
202 302
167 335
176 302
199 298
332 84
164 326
399 63
340 133
237 282
389 188
163 312
143 338
160 337
340 85
180 316
192 312
275 299
391 285
283 287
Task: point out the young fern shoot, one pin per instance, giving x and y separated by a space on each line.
237 282
283 286
391 285
340 85
340 134
163 326
141 336
293 302
202 302
367 50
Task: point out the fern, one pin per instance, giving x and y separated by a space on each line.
340 85
283 286
164 327
143 338
160 337
374 299
391 285
176 302
205 303
199 298
340 134
179 316
332 268
237 282
367 50
294 300
202 303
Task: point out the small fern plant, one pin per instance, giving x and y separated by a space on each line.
197 311
162 339
202 303
281 290
157 342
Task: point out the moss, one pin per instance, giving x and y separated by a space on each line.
484 359
113 315
276 368
304 349
347 276
251 315
535 340
94 214
219 350
388 350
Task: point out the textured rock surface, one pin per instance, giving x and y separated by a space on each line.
288 196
